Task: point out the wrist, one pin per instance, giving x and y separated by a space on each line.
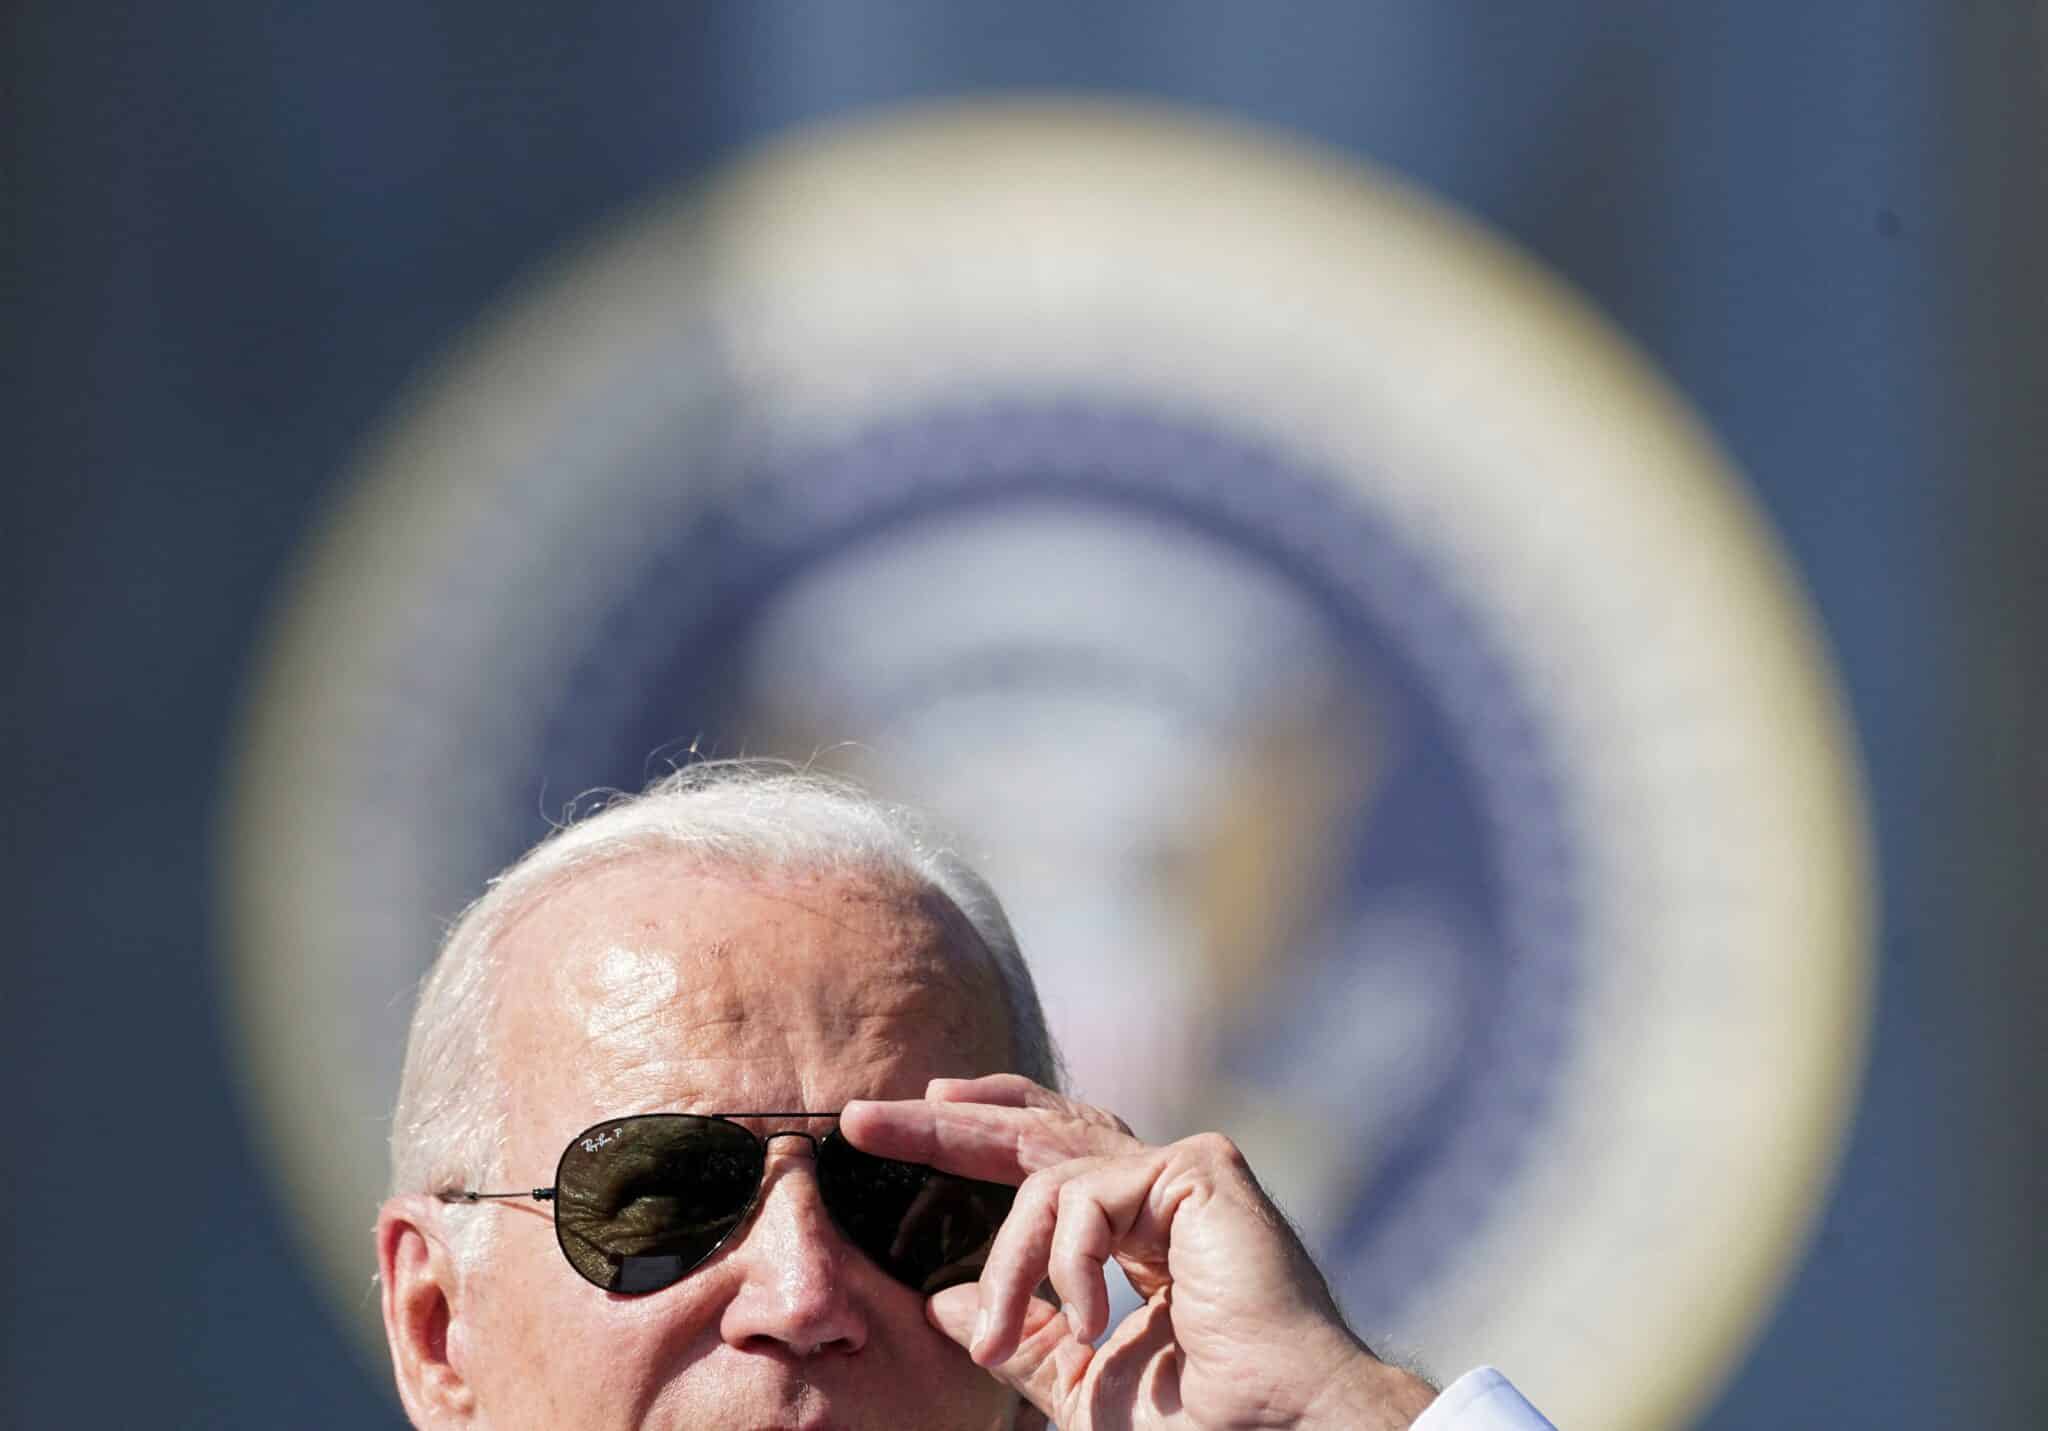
1366 1394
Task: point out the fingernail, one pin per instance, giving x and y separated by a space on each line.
981 1320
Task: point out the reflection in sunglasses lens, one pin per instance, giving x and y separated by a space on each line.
639 1202
642 1201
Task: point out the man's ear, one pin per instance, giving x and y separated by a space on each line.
418 1274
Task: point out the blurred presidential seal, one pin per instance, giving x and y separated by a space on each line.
1395 729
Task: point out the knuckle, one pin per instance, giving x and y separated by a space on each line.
1217 1150
1043 1188
1100 1117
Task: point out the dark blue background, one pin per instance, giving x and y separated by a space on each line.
238 229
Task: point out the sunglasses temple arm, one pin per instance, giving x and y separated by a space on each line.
470 1195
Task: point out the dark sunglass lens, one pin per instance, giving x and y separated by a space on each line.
641 1201
927 1229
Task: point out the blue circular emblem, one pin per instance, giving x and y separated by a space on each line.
1391 728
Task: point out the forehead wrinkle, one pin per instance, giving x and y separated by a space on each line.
941 927
813 1063
915 916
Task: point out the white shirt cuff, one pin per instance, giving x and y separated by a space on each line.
1481 1400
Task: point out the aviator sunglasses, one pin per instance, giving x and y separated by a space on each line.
643 1201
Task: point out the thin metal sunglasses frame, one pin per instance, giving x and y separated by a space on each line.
547 1194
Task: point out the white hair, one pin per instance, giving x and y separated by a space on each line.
448 1128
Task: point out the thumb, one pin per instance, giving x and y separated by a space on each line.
1048 1361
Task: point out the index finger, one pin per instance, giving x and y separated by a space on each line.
976 1140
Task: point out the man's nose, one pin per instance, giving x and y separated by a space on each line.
793 1293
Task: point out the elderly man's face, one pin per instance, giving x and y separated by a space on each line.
655 986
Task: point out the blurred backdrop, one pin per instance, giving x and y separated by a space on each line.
1571 729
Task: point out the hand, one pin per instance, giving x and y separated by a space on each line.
1237 1329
